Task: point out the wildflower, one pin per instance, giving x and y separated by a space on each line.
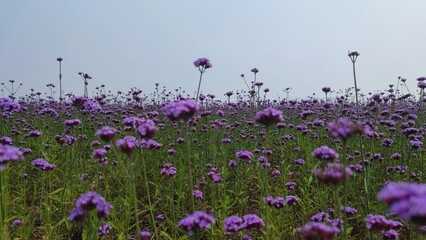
349 210
299 161
325 153
145 235
318 230
269 116
16 223
232 163
406 200
88 202
42 164
128 144
233 224
390 234
343 128
198 195
277 202
380 223
202 64
243 154
253 221
147 129
104 229
106 133
196 221
168 170
9 153
99 153
291 200
181 110
333 173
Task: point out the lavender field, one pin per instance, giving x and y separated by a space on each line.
160 164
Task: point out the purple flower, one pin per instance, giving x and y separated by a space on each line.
277 202
325 153
253 221
106 133
181 110
16 223
104 229
349 210
269 116
72 122
168 170
333 173
232 163
380 223
318 230
144 235
198 195
88 202
99 153
42 164
233 224
147 129
196 221
390 234
299 161
6 141
9 153
202 64
150 144
243 154
406 200
343 128
291 200
254 70
128 144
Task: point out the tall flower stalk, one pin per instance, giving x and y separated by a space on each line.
353 56
59 59
202 64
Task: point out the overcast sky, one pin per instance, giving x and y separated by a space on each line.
300 44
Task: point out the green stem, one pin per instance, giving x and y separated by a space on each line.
151 209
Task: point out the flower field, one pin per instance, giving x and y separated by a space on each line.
164 166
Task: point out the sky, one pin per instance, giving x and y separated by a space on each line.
302 45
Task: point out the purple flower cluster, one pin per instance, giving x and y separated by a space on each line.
104 229
106 133
196 221
72 122
333 173
325 153
88 202
150 144
128 144
9 153
343 128
269 116
147 129
168 170
202 64
144 235
245 155
235 223
181 110
6 105
43 164
406 200
214 175
318 230
381 223
279 202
